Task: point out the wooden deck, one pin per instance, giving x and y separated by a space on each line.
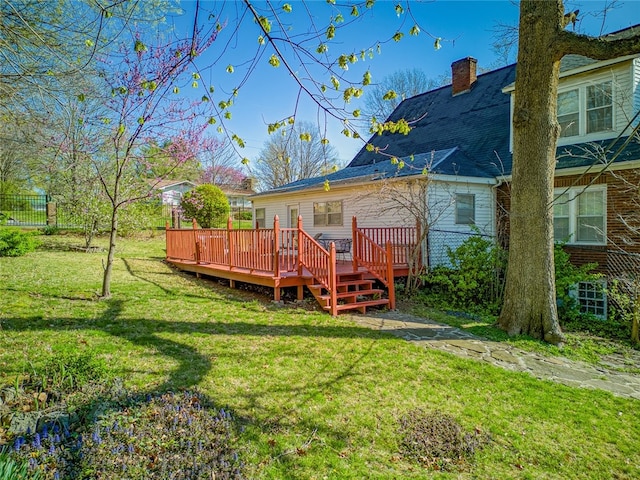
288 257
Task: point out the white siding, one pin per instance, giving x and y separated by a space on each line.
364 202
359 201
444 231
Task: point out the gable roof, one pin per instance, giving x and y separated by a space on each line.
475 124
165 184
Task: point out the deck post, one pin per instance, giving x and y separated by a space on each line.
356 252
230 247
276 249
333 280
195 240
300 247
390 277
229 223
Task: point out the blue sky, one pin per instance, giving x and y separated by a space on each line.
467 28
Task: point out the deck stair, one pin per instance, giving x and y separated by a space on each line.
353 292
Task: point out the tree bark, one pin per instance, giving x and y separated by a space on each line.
108 268
529 301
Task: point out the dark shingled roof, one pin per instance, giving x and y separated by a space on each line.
475 124
386 168
597 153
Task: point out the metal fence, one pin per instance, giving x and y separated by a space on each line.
24 210
48 211
440 241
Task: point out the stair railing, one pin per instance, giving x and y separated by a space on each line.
377 260
321 263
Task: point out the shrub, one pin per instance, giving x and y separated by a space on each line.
437 440
15 243
139 216
244 215
474 281
207 204
624 309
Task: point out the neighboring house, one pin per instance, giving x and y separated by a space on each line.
461 134
173 190
238 194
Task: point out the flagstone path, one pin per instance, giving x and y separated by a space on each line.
431 334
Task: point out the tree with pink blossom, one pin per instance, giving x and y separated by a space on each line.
143 106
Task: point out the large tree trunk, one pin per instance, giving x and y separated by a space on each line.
530 297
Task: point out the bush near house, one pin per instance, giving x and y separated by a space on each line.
207 204
474 280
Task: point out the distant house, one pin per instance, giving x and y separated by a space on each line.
173 190
238 194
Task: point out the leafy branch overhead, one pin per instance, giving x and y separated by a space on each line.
320 73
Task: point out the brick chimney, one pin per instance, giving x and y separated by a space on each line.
463 75
248 183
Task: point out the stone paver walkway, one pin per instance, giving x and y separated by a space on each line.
431 334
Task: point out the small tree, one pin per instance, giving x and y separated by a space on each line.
207 204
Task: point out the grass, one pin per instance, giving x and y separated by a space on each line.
318 397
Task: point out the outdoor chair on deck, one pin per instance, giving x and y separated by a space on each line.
343 245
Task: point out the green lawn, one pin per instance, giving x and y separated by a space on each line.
319 397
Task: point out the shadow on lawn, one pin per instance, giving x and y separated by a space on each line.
192 365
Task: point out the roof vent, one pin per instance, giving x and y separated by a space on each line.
463 75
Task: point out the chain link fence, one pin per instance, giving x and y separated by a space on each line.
440 241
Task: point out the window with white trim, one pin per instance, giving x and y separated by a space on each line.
327 213
585 110
579 215
465 209
592 298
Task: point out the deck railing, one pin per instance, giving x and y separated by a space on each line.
402 240
269 250
376 259
248 249
320 263
277 250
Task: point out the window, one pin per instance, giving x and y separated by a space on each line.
259 217
585 110
579 215
569 113
592 298
599 107
465 209
327 213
